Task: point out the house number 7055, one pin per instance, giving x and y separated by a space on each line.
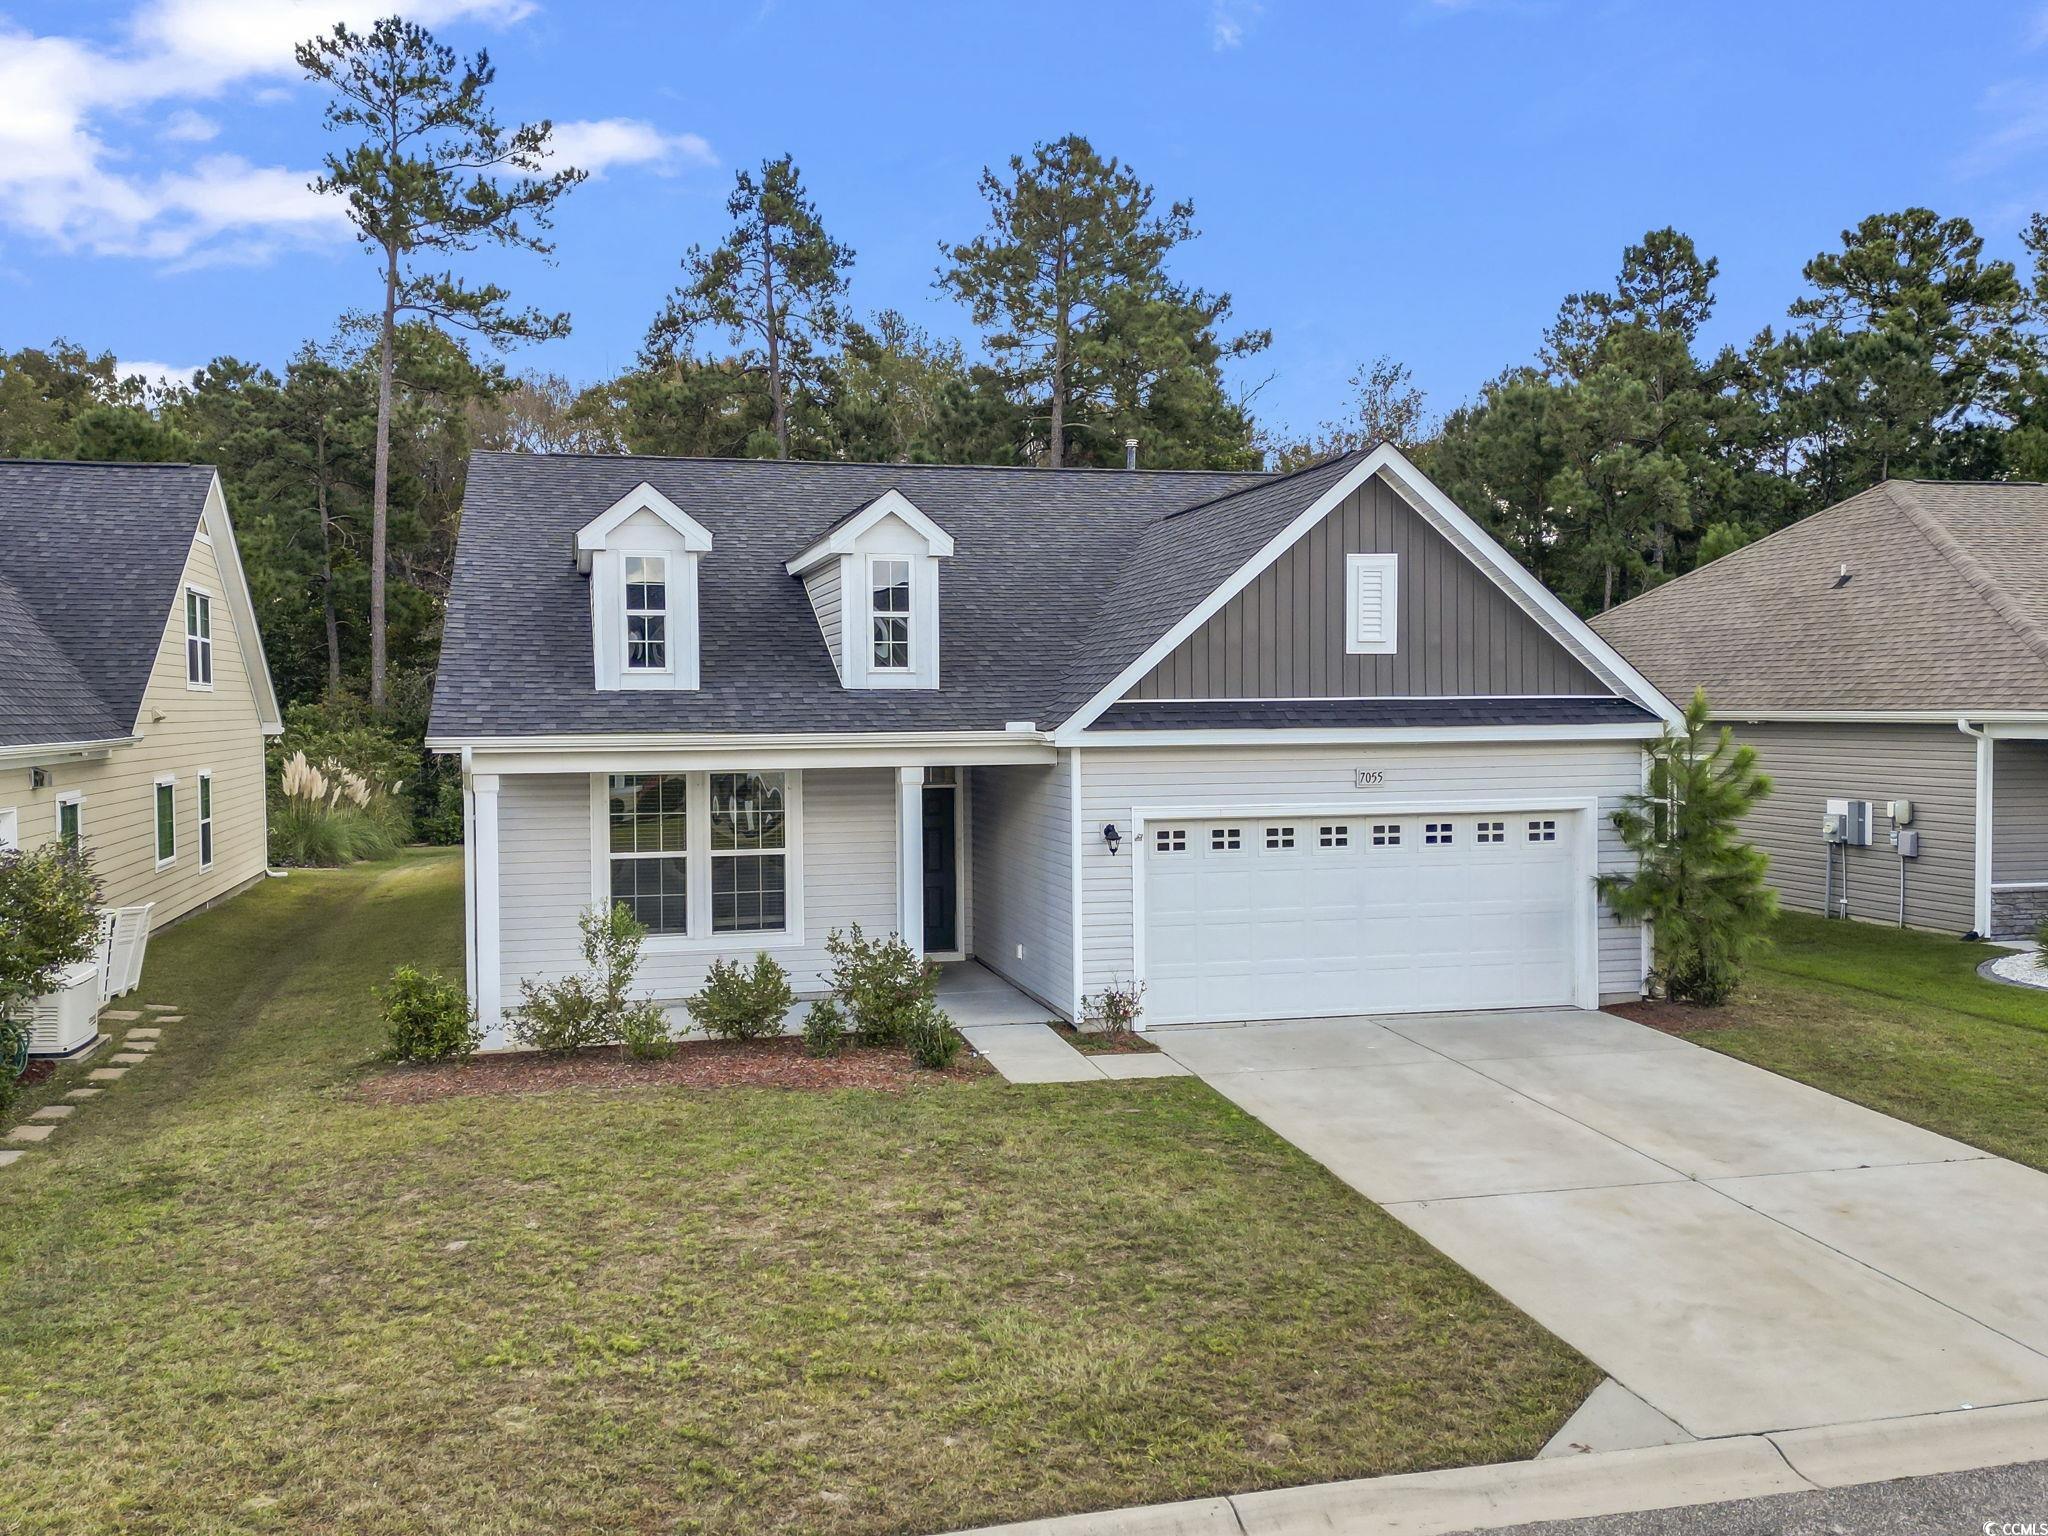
1370 778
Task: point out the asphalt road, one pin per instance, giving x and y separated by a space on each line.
2004 1501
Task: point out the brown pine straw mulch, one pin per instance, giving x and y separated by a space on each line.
1129 1043
779 1063
1674 1018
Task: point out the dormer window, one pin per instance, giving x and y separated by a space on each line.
641 557
873 582
646 613
889 610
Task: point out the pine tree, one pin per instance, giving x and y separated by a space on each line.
1699 886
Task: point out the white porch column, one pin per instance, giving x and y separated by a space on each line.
1987 821
487 976
910 857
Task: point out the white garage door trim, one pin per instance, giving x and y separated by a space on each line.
1584 838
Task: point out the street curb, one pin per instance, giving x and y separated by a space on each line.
1577 1487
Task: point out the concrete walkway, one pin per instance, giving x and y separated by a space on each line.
1036 1053
1742 1253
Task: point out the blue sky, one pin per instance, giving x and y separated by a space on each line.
1424 178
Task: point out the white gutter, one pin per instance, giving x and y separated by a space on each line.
1981 907
62 751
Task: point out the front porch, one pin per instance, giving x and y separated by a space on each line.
958 858
2012 836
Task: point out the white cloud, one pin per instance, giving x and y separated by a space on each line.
2018 110
64 181
602 143
185 126
1228 21
157 376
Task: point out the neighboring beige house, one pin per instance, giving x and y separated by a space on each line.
134 697
1891 648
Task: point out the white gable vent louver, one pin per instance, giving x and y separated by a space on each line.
1373 604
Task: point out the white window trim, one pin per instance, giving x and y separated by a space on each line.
156 839
1388 640
205 642
10 828
702 939
668 615
70 797
909 616
203 824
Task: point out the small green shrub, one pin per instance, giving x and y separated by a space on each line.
824 1029
644 1031
930 1036
2041 938
1114 1010
591 1008
427 1018
49 919
742 1003
879 983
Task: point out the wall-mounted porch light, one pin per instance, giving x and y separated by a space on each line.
1111 836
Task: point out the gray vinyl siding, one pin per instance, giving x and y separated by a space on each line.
1284 635
1022 858
2019 810
547 859
1934 766
823 586
1117 781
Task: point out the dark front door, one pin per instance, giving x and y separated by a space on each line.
941 868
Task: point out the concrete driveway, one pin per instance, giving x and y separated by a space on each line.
1742 1252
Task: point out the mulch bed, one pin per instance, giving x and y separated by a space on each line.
1126 1044
1675 1018
696 1064
35 1072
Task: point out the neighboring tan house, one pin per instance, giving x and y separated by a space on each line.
1893 647
134 697
1270 745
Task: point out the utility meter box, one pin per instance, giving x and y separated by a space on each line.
1909 846
1901 812
1852 818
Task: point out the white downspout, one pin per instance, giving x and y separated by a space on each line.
1982 906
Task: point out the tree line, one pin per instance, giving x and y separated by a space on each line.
1622 452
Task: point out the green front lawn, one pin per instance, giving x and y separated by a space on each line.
236 1296
1900 1021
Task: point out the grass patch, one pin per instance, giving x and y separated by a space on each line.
236 1295
1900 1021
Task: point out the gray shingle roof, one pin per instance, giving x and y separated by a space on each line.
1946 607
1043 595
90 557
1310 714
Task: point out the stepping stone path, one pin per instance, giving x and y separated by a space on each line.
85 1093
161 1007
54 1112
144 1046
170 1018
127 1058
106 1074
143 1034
8 1157
120 1015
31 1133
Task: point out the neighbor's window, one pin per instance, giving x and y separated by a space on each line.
749 853
889 584
166 821
206 821
198 639
70 820
650 843
646 613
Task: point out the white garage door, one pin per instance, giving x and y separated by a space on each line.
1273 917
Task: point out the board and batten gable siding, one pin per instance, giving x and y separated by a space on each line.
1810 763
1022 891
1117 782
2019 810
547 859
183 731
823 587
1283 637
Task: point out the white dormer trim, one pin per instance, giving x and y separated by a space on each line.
643 523
594 535
845 539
